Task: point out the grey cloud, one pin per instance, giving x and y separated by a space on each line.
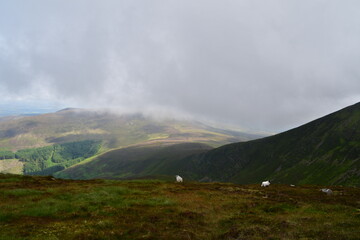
266 65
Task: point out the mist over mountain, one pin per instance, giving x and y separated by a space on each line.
115 130
103 103
255 64
324 151
47 143
192 69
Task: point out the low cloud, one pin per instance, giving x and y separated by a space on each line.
265 65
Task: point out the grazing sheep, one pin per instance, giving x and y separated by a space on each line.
265 184
292 185
327 191
178 178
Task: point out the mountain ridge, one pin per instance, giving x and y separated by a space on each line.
34 139
331 142
70 125
323 151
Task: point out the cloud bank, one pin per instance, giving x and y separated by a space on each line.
267 65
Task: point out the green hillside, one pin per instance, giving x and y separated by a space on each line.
324 151
115 131
48 208
134 162
48 143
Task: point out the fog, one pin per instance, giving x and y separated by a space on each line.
263 65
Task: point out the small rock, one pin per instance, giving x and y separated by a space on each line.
205 179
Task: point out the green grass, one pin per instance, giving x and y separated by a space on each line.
44 208
19 192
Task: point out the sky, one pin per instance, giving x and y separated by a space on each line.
265 65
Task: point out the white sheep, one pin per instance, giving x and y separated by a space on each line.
178 178
327 191
265 184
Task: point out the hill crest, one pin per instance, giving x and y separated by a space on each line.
323 151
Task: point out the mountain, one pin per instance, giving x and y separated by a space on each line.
72 125
325 151
49 143
156 160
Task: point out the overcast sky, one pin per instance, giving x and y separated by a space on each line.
266 65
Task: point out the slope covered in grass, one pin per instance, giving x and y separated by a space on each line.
324 151
136 161
115 131
46 208
49 143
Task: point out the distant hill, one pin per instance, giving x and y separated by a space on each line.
49 143
324 151
71 125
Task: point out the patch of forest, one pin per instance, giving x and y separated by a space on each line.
50 159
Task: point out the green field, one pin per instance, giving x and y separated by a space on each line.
48 208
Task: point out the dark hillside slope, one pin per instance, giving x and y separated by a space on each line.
134 162
324 151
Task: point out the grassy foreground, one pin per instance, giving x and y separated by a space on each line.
47 208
